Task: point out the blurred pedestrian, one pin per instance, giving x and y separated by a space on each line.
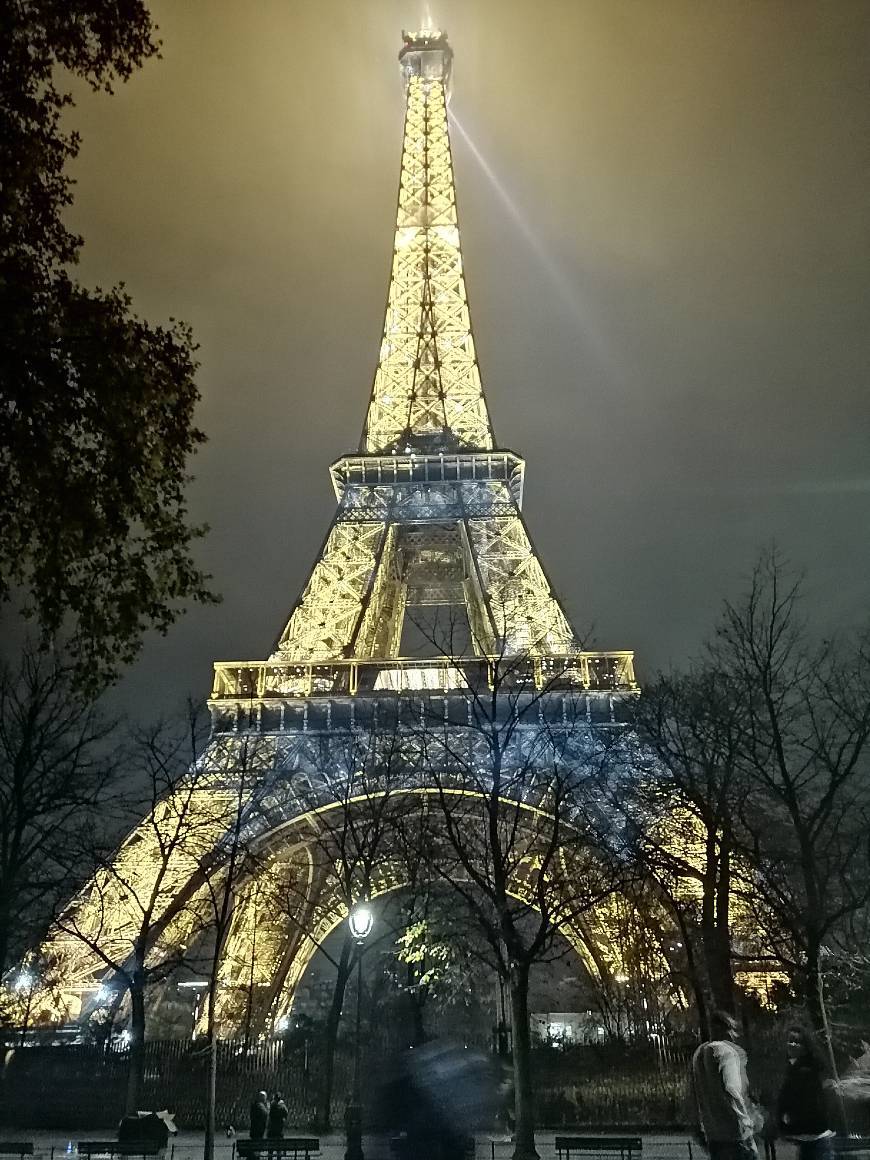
802 1109
259 1115
729 1119
440 1095
277 1117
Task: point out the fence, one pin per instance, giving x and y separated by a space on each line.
83 1087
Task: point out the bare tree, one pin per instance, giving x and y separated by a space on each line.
518 828
805 747
133 891
55 763
755 798
683 803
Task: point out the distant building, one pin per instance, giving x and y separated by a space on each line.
566 1028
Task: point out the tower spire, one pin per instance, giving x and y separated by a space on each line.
427 394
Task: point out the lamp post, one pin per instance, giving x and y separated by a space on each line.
360 921
26 982
197 986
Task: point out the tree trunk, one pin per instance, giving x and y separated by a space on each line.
813 993
211 1088
524 1136
136 1065
721 974
333 1020
715 927
417 1000
5 931
694 973
418 1003
208 1151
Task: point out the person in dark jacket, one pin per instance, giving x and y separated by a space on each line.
259 1115
801 1108
277 1117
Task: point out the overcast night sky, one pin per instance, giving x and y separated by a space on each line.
665 222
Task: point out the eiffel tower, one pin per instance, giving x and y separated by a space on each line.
428 525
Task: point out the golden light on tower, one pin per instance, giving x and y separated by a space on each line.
428 516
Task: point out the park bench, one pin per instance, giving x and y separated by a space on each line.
628 1147
16 1147
115 1148
295 1146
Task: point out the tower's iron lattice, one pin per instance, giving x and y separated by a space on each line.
428 532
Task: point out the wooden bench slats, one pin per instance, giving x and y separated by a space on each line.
602 1143
627 1146
276 1144
114 1148
283 1146
16 1147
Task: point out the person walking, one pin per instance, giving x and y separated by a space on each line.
277 1117
729 1119
802 1110
259 1116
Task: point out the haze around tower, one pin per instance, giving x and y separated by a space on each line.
665 228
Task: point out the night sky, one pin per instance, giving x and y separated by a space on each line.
665 221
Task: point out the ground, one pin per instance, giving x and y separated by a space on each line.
188 1145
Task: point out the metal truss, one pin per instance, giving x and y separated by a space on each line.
355 600
427 385
325 622
523 615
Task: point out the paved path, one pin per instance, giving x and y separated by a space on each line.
188 1145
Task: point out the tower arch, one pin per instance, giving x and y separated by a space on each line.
315 914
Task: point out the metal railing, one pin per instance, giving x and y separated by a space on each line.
606 672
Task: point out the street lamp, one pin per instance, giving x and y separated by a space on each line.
197 987
26 981
360 921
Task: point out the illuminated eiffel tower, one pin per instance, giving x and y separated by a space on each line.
428 525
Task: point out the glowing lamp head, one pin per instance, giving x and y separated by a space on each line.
360 920
426 54
25 981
